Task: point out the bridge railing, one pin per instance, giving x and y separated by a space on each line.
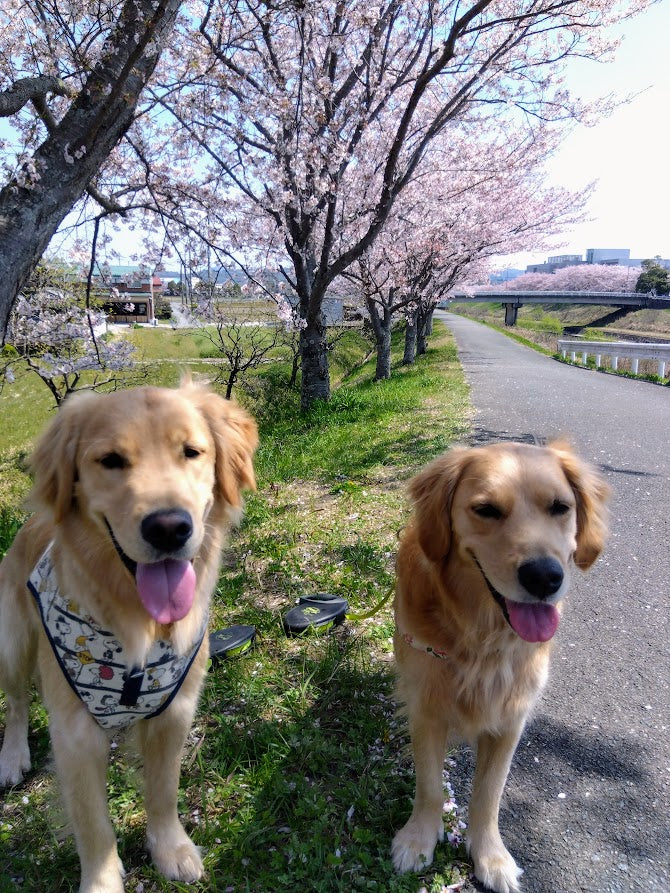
616 350
515 294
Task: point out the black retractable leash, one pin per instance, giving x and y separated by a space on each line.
319 613
316 613
231 642
322 611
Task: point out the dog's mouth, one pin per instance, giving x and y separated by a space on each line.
166 588
531 621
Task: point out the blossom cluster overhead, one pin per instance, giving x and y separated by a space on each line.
291 129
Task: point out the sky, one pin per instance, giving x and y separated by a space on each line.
627 153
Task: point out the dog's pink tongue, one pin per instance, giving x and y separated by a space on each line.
167 588
536 622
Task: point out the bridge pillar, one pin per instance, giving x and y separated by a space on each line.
511 312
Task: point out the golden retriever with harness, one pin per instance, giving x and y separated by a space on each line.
105 592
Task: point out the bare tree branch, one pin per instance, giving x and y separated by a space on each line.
22 91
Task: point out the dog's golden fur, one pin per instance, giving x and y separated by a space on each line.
508 514
105 463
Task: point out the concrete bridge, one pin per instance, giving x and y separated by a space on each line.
512 300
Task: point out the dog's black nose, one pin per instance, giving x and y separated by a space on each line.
167 530
541 577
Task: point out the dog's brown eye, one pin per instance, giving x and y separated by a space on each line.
487 510
113 460
191 452
559 508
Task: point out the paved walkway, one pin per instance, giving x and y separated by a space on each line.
587 805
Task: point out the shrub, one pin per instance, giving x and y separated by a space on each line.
10 524
163 309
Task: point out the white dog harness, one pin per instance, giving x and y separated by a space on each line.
93 663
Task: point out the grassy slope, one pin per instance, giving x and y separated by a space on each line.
293 776
552 319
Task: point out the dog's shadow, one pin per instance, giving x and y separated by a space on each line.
297 782
567 786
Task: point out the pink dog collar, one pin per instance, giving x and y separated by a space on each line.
421 646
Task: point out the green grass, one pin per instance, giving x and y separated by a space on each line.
161 344
25 406
295 775
10 523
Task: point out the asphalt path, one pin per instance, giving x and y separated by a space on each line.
587 803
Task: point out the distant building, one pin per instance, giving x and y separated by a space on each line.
128 294
166 276
565 260
611 256
556 263
615 256
540 268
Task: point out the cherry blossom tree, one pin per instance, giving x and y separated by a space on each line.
580 277
284 132
71 75
292 324
469 200
54 335
320 113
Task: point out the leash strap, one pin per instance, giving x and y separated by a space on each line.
365 615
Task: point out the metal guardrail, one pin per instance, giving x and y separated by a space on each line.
616 350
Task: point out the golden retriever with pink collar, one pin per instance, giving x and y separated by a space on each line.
106 592
482 571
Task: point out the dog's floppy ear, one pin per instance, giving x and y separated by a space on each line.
236 437
432 491
592 493
54 460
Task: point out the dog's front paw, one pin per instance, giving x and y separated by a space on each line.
414 845
496 868
177 857
13 766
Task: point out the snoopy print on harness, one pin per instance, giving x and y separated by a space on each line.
92 660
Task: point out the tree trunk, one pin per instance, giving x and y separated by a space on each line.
380 320
424 325
295 366
75 150
383 369
421 342
315 383
410 340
